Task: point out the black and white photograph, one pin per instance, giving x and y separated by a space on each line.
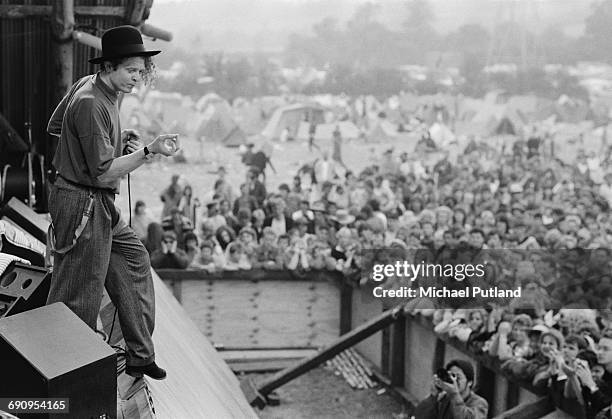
304 209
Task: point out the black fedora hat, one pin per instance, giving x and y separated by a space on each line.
120 42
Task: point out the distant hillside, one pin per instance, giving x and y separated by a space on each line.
251 25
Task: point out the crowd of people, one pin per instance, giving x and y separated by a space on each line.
550 216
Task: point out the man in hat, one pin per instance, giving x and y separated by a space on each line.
93 247
452 395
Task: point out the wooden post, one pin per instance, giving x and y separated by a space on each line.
398 352
62 25
135 14
346 306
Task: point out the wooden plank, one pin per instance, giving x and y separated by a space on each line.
19 11
241 314
346 341
243 356
261 366
246 275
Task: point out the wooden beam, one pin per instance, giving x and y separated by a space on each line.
62 25
88 39
155 32
24 11
355 336
136 12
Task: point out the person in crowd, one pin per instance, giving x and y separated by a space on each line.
141 221
277 221
169 255
452 395
171 196
213 216
188 204
245 200
178 223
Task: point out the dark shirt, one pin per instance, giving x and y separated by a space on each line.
176 260
87 121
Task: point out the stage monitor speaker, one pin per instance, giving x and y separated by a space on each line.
26 218
50 353
23 287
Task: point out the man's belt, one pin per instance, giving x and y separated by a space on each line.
87 187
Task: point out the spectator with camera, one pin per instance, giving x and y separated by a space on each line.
452 395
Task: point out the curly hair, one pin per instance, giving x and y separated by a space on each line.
148 75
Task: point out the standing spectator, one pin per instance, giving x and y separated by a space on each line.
226 189
171 196
256 189
141 221
188 205
245 200
277 220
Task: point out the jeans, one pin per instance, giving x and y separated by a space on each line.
103 256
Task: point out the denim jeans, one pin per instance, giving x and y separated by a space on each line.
104 256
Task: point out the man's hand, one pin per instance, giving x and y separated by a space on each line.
448 388
131 141
165 144
584 375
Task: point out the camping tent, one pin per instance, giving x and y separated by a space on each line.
382 131
441 134
325 132
217 125
290 117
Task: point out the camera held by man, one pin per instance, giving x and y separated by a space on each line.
452 396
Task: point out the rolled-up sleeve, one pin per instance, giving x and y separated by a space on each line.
55 123
93 125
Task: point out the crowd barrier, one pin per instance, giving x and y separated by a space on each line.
405 355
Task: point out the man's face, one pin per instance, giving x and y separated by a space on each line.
128 74
604 351
477 240
462 381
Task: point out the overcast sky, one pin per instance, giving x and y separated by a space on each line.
266 24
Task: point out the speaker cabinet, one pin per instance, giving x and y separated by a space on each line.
26 218
22 288
49 352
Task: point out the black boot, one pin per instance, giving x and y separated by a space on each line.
151 370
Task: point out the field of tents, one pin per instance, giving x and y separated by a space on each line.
402 118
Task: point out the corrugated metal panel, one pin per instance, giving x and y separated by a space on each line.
26 65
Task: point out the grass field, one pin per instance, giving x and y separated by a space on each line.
149 181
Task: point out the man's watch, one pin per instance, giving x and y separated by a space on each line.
147 153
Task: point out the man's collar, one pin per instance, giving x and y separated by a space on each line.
105 88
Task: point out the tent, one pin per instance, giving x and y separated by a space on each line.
441 134
290 117
217 125
382 131
325 132
211 99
